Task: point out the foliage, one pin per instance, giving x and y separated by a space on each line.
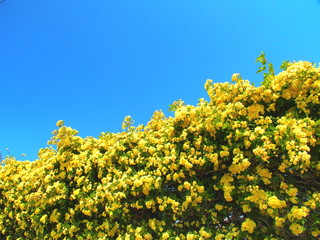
243 166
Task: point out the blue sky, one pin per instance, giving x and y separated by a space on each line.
91 63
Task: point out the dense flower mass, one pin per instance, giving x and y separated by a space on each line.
244 165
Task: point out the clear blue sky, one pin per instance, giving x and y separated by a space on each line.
91 63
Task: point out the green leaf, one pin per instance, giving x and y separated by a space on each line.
262 58
261 69
270 69
284 65
175 105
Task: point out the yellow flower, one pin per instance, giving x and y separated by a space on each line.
204 233
246 208
296 228
76 192
165 235
225 152
292 192
298 213
218 207
255 110
219 237
54 217
137 183
152 224
248 225
190 236
150 203
186 185
44 218
60 123
200 189
315 233
279 221
274 202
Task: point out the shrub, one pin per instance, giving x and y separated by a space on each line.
244 165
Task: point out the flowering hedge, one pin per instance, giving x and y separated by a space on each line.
243 166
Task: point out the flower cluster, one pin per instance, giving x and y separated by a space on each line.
244 165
